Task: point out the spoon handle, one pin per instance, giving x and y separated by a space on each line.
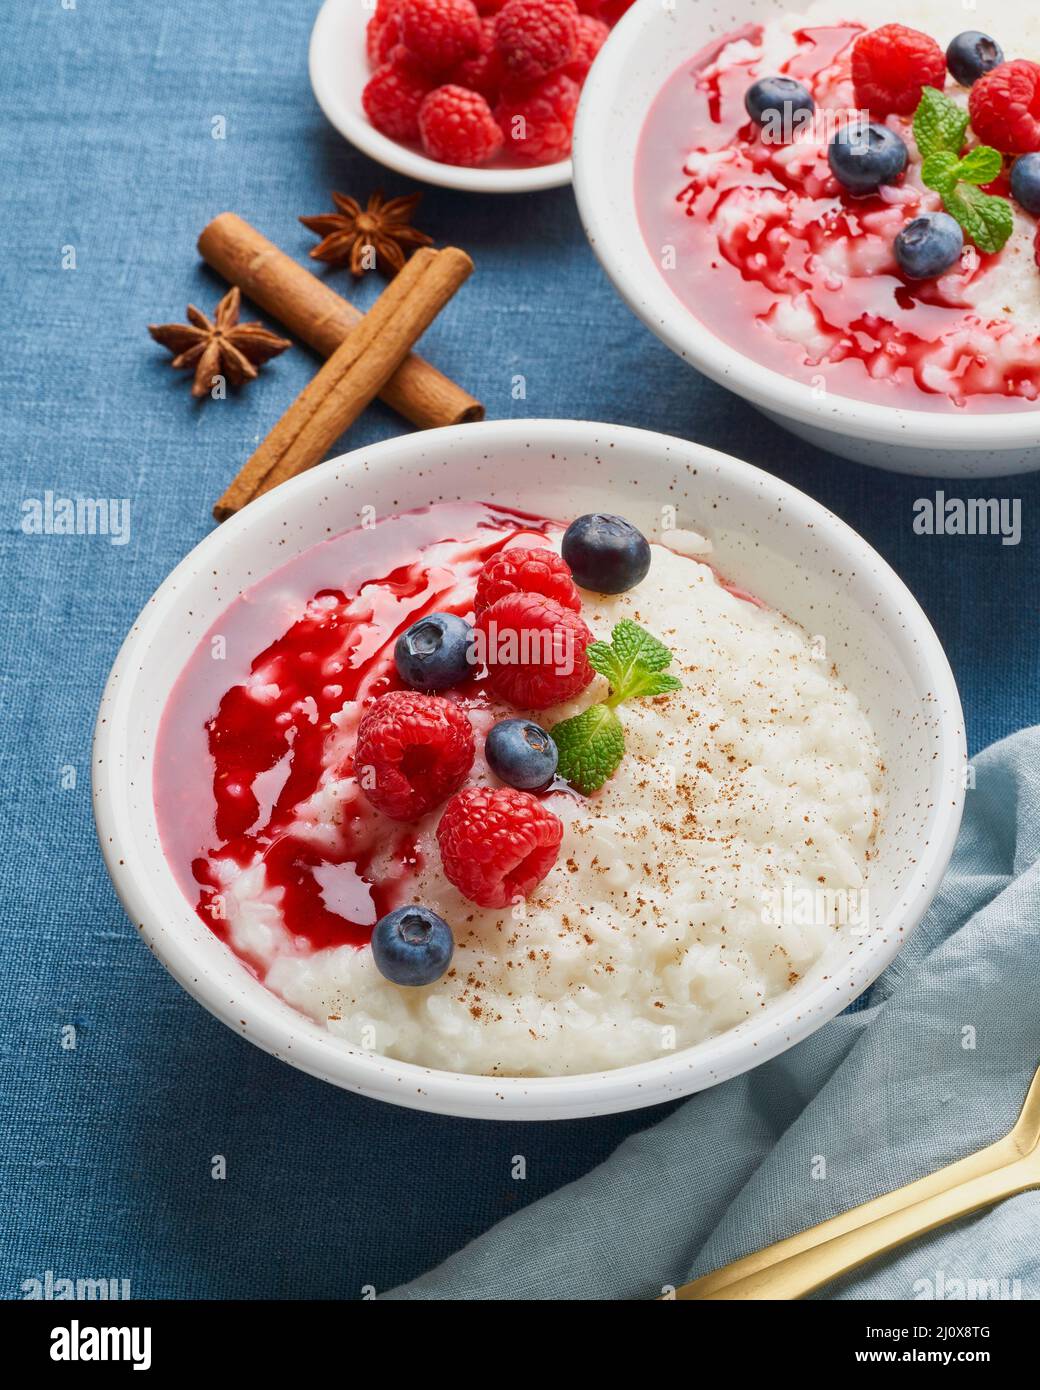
996 1155
805 1271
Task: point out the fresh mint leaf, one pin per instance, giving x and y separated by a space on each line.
939 124
591 746
939 172
989 221
986 219
645 684
603 658
980 165
631 657
633 643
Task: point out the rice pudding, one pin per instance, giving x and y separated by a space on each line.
762 243
659 917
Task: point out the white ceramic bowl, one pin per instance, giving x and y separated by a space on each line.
339 70
644 50
767 537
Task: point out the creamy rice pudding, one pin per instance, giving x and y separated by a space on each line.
649 917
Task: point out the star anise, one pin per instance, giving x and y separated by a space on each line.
382 226
224 347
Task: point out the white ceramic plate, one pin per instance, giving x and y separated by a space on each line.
647 46
768 537
339 71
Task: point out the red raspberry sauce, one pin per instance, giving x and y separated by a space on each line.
230 769
886 336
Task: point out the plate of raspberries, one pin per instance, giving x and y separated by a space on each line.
470 94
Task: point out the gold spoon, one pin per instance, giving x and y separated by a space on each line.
803 1262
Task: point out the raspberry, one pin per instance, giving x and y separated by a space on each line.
537 121
523 571
591 7
1005 107
592 34
383 33
891 65
497 845
457 127
440 33
392 98
412 751
612 10
534 650
482 73
535 37
489 7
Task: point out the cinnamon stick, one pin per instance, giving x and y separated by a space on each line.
316 314
354 374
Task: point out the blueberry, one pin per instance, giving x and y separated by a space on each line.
434 653
605 553
1025 182
970 55
521 754
412 946
772 100
863 156
929 245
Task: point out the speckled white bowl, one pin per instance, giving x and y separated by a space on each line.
768 537
339 70
644 50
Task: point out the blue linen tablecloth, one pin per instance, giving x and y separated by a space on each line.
109 171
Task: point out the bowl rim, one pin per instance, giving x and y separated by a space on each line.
652 300
250 1009
363 136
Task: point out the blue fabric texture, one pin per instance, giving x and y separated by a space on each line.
934 1069
126 127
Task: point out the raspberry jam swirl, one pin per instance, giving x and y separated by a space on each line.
761 243
254 732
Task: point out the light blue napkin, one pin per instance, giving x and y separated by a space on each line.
936 1067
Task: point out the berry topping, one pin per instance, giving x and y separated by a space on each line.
440 33
774 101
1025 182
1005 107
521 754
929 245
382 34
526 571
497 846
970 55
863 156
483 72
535 37
412 751
412 946
392 97
537 121
592 35
891 65
606 553
534 650
457 127
434 653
